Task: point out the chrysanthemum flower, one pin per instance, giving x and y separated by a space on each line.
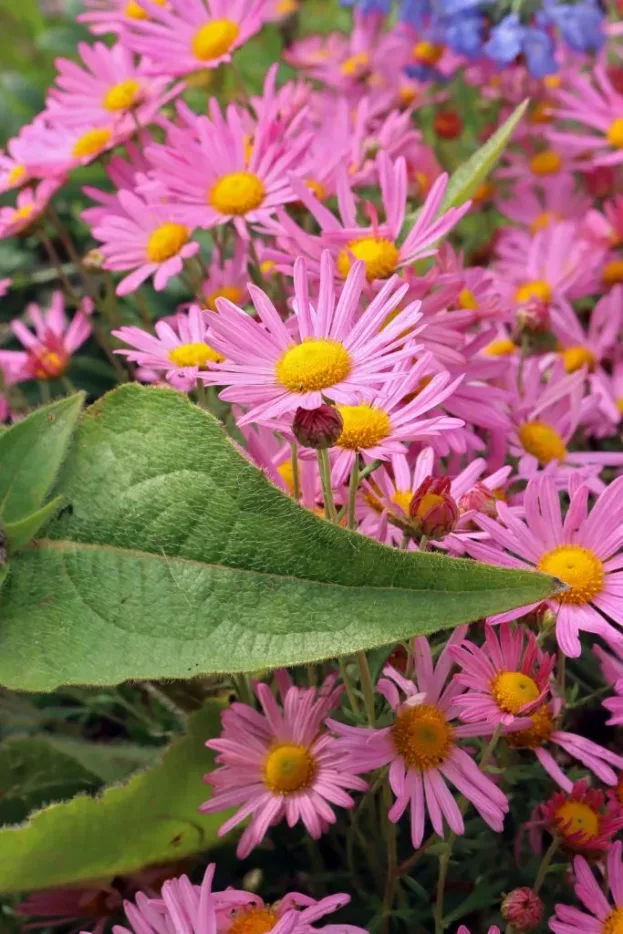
600 917
52 149
537 164
506 678
30 204
538 206
47 352
13 173
582 551
227 278
243 913
109 16
181 351
279 764
106 87
421 748
612 670
273 368
143 237
583 818
129 172
589 348
595 104
188 35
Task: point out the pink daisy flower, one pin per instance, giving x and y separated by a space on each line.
420 747
188 35
47 352
227 278
142 237
178 350
30 204
13 174
279 764
243 913
506 678
589 348
612 670
537 164
595 105
538 205
584 818
109 16
51 149
601 916
582 551
106 87
212 174
330 349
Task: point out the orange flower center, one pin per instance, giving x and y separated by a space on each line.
422 736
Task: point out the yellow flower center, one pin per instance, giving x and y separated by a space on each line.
253 920
285 7
576 357
134 11
579 568
166 241
613 924
467 299
286 472
91 142
232 292
237 193
214 39
364 426
122 96
541 221
355 64
16 174
619 405
615 133
552 81
484 192
379 255
535 735
407 95
541 112
313 365
267 267
317 188
428 502
512 690
503 347
289 767
23 213
538 288
542 441
402 499
547 162
199 354
422 736
428 53
613 272
49 365
575 817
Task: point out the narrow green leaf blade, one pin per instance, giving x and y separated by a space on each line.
21 532
466 180
31 452
151 818
179 558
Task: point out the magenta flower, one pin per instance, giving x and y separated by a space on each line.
30 204
538 206
109 16
188 35
179 350
325 349
583 552
227 278
421 747
600 917
598 106
279 764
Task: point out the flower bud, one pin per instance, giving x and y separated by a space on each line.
523 909
433 511
94 259
317 428
447 124
533 317
479 499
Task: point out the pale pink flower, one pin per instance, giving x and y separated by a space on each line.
30 204
596 105
227 278
600 916
109 16
538 205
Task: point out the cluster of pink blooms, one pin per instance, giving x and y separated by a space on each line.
377 377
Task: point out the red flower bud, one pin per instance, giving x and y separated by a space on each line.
480 499
433 511
523 909
600 181
317 428
534 316
447 124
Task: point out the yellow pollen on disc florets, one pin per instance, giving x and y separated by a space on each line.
232 292
574 358
542 220
575 818
198 354
503 347
253 920
379 255
363 427
613 923
613 272
16 175
428 53
579 568
467 300
91 143
402 499
313 365
537 288
23 213
422 736
615 133
166 241
512 690
547 162
134 11
122 96
355 64
214 39
542 441
237 193
536 734
289 767
49 365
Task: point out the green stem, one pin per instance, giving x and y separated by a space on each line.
325 478
350 690
202 397
352 493
58 266
444 862
406 538
369 468
68 386
296 476
44 391
423 542
366 686
545 864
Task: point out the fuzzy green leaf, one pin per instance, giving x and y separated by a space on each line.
151 818
21 532
179 558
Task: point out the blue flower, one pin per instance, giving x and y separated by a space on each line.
505 42
416 12
580 24
369 6
464 34
538 47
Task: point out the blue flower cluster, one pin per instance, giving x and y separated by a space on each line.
502 31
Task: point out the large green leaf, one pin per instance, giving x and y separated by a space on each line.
179 558
152 818
31 452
